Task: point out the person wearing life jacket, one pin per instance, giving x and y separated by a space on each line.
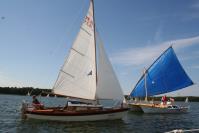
36 104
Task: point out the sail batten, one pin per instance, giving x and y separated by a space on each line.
165 75
78 52
86 31
67 73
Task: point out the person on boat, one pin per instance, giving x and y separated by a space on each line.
172 100
36 104
164 99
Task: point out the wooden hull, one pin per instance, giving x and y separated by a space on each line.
73 113
95 116
135 108
157 108
148 109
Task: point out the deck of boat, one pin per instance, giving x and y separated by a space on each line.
148 105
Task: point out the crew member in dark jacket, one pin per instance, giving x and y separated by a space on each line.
36 104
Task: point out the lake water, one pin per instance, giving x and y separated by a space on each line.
10 120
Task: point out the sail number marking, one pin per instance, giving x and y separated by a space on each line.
89 22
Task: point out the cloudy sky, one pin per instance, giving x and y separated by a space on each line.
35 37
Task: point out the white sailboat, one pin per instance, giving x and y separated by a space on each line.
86 77
165 75
28 94
187 100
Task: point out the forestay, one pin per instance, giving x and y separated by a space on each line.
164 75
77 77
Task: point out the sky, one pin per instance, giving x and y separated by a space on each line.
36 35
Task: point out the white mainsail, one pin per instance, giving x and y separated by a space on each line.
77 77
108 86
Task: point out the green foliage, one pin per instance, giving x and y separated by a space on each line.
24 91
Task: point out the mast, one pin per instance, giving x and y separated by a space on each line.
94 38
94 28
145 83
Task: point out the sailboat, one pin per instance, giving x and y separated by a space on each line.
28 94
87 78
165 75
187 100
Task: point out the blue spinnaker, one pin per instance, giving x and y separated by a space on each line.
164 75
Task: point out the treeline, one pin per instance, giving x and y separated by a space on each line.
25 91
179 98
45 92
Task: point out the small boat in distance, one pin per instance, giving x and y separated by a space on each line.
164 75
86 80
28 94
187 100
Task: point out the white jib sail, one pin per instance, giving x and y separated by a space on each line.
77 77
108 86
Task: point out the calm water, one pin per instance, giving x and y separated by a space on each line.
10 120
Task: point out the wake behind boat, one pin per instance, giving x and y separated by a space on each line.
85 76
164 75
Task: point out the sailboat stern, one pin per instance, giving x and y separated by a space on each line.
24 108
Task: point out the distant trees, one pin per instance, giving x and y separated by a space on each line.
45 92
25 91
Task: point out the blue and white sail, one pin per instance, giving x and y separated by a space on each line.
165 75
